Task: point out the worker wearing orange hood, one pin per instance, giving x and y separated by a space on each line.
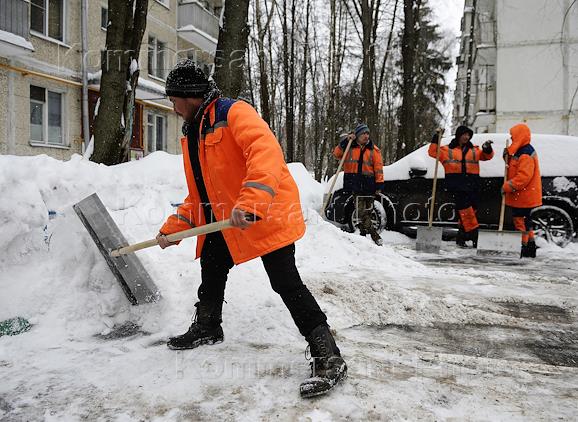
523 189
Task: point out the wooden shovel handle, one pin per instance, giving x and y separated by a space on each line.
197 231
435 178
335 178
503 207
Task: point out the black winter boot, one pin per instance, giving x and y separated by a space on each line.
205 329
532 249
473 236
327 365
376 238
461 238
529 250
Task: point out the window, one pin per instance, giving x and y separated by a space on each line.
103 18
165 3
45 116
47 18
156 58
156 132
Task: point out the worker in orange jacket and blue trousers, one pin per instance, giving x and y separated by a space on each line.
235 170
523 189
461 161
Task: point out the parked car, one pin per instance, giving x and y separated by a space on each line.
405 200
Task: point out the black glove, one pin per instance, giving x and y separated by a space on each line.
487 147
435 138
505 154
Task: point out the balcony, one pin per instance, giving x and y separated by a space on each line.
14 28
198 25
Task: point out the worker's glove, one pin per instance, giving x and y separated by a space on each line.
164 242
435 138
505 154
487 147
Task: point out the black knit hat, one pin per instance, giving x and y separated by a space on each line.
186 80
464 129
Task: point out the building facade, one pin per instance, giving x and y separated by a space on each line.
518 62
41 61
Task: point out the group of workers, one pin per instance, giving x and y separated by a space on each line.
363 177
234 168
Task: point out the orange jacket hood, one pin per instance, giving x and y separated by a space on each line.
521 137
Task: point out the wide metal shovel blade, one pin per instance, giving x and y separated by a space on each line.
429 239
128 270
499 242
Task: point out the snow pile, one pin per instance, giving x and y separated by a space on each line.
99 358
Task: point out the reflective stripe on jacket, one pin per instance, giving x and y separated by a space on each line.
461 165
243 167
363 167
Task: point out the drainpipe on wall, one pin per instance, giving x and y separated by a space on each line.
565 40
85 120
470 65
11 115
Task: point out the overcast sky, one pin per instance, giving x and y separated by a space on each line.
448 14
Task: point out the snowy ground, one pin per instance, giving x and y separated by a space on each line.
425 336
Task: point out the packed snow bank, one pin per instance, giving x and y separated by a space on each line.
71 287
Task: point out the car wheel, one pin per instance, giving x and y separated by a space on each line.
553 224
378 218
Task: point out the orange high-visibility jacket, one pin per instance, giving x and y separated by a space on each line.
243 167
461 171
524 186
363 167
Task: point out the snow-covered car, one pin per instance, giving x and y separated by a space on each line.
404 203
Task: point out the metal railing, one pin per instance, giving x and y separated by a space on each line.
192 13
14 17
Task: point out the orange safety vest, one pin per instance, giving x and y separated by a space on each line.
363 167
243 167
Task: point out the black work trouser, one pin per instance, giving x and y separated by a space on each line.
280 266
464 200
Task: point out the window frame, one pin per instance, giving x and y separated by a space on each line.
45 32
103 9
154 116
153 71
45 115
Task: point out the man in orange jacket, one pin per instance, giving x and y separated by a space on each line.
363 176
461 161
235 169
523 189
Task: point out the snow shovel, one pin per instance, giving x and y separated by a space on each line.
197 231
500 242
429 239
133 278
330 193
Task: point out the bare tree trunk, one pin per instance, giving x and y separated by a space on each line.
289 79
303 94
113 123
230 55
368 65
407 121
263 76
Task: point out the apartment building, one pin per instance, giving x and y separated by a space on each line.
41 69
518 62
